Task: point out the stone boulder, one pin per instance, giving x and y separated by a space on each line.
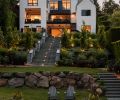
38 75
43 82
87 80
16 82
62 75
7 75
64 82
31 81
80 85
94 86
46 74
71 81
71 75
3 82
99 91
55 81
20 75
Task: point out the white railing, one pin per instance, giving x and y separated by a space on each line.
37 48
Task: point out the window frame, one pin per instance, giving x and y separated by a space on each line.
32 3
86 12
52 3
66 2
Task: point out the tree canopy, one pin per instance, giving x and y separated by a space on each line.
109 7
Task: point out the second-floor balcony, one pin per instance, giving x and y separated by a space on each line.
35 21
60 12
59 21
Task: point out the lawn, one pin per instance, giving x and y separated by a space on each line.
39 94
52 69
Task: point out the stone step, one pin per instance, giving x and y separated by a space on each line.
111 81
112 86
41 57
112 89
112 95
106 73
108 78
113 99
112 92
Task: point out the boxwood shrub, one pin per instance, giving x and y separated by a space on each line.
12 57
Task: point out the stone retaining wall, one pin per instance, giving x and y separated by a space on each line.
45 79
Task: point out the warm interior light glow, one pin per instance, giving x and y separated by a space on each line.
87 28
33 13
53 17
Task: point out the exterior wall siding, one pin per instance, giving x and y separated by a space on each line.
42 4
89 20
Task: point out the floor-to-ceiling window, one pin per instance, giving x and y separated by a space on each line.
53 4
66 4
33 15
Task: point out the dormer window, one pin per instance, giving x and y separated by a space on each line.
32 2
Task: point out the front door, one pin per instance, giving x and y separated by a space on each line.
56 32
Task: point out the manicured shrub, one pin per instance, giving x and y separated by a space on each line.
77 42
115 34
3 51
20 58
12 57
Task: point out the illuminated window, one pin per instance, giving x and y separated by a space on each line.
32 2
86 27
66 4
86 12
33 15
54 4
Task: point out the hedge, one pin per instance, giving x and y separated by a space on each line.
115 34
12 57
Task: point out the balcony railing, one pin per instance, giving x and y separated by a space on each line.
60 12
35 21
59 21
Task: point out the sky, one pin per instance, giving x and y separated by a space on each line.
101 1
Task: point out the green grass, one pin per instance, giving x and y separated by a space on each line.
41 94
52 69
38 94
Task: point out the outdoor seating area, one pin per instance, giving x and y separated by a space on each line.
69 94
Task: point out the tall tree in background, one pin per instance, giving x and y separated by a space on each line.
109 7
115 18
99 13
7 15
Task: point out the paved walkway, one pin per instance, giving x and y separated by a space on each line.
112 85
47 54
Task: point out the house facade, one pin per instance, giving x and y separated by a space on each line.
55 15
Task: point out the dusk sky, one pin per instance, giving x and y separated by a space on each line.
101 1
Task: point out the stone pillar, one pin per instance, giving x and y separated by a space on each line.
30 56
39 45
57 55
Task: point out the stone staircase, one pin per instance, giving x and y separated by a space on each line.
47 54
112 85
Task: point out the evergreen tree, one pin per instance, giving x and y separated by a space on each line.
99 13
109 7
115 19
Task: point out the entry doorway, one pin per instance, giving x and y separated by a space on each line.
56 32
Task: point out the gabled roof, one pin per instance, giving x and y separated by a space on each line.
79 1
